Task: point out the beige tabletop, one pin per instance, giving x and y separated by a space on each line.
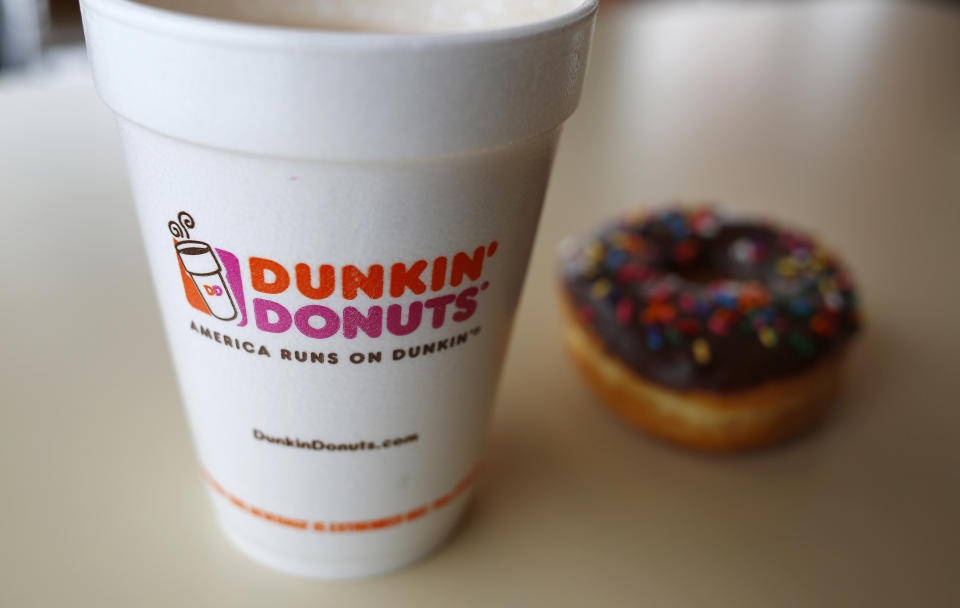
842 118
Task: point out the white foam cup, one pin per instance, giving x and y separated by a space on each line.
338 224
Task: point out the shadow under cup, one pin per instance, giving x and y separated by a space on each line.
386 186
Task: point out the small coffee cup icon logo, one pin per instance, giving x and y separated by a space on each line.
204 269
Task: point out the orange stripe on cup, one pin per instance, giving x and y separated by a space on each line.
417 513
341 527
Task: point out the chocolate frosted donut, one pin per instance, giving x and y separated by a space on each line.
708 312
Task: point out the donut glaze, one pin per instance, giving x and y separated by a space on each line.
692 300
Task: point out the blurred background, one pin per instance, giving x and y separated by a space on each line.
42 38
840 117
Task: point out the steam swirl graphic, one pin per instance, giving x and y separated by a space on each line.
180 228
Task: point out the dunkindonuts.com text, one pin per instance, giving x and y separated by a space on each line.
331 446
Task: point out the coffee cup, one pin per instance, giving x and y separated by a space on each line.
338 225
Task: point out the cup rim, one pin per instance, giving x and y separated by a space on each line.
187 243
224 31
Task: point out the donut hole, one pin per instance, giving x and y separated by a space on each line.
700 274
716 259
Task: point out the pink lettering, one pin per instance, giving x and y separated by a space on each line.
353 319
261 310
331 321
395 319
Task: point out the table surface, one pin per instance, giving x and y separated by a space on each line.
844 119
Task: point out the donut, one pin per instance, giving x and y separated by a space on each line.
712 331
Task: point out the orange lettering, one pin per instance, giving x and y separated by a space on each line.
328 281
258 267
465 265
293 523
416 513
439 273
386 522
346 526
402 278
354 280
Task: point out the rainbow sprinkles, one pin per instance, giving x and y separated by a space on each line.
674 291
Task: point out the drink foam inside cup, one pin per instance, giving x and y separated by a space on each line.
380 16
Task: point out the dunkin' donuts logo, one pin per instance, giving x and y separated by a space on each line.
214 282
202 272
